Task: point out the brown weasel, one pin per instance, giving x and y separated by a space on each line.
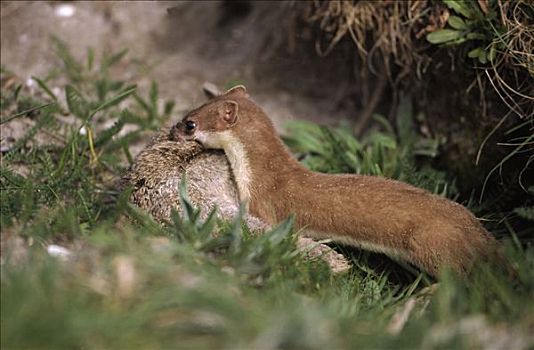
372 213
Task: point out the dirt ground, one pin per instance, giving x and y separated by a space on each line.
185 44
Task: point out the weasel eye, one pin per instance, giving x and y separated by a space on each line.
190 125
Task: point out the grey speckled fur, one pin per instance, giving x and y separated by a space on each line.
157 172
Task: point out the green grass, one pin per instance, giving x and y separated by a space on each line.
133 284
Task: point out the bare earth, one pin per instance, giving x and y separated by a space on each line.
184 44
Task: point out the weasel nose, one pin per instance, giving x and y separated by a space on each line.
176 133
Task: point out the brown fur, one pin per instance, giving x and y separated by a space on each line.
376 213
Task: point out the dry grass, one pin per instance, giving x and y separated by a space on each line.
516 16
391 33
384 32
515 90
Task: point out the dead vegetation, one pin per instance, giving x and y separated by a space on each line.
384 32
389 36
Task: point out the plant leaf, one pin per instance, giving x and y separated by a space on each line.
405 121
45 87
492 53
457 23
109 61
75 101
281 231
475 52
106 135
475 36
482 58
460 7
115 100
443 36
525 212
19 114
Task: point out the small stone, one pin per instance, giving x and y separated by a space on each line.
59 252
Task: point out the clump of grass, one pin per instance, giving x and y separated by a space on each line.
402 155
179 295
72 166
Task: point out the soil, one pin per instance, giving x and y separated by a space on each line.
184 44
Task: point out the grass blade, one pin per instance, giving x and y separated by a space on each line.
20 114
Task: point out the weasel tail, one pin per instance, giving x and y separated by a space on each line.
369 212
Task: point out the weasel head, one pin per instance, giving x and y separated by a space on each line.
214 125
211 124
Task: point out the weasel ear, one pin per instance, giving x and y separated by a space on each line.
228 112
238 90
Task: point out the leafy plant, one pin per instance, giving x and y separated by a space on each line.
382 152
471 22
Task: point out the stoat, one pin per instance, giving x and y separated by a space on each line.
373 213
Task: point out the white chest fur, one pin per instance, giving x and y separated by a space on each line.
236 154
